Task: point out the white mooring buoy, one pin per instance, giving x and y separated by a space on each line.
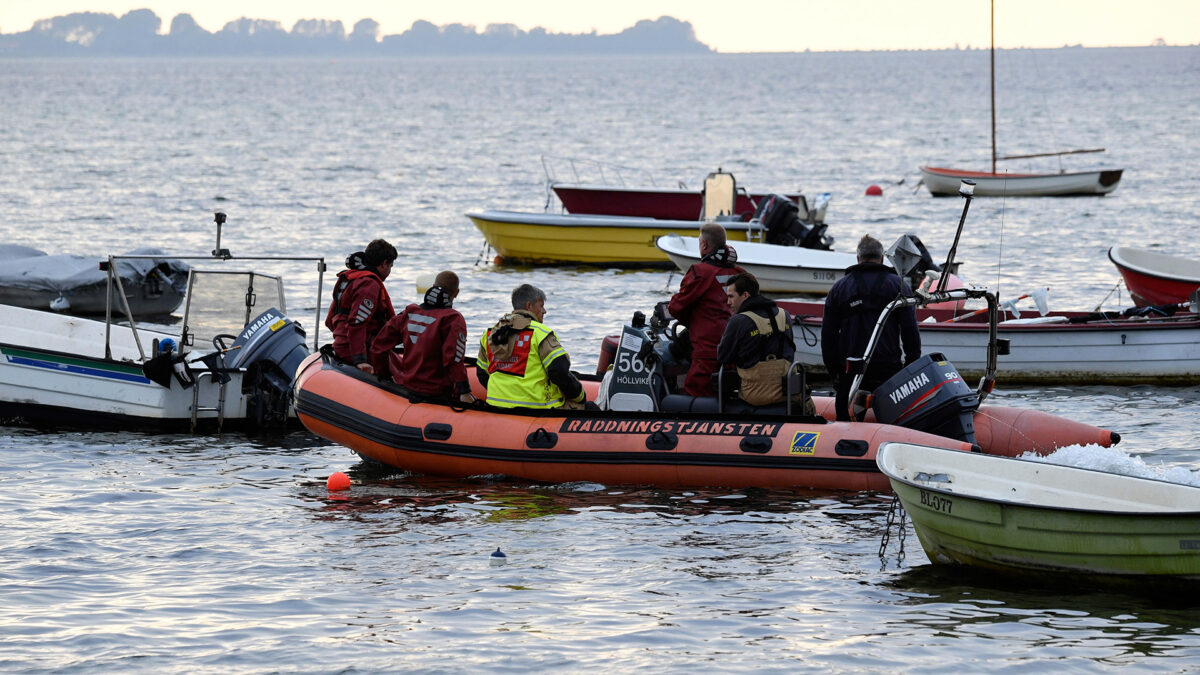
497 558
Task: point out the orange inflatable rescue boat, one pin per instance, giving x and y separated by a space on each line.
378 421
674 442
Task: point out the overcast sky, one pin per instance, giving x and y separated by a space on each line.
726 25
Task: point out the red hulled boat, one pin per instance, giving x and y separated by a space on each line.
1156 278
650 202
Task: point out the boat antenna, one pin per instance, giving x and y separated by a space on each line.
967 190
993 69
1000 252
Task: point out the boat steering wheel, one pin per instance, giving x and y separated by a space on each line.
219 341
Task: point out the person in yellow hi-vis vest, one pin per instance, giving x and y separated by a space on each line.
521 361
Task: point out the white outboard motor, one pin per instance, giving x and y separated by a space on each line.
270 348
928 395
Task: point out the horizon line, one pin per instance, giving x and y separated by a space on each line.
380 37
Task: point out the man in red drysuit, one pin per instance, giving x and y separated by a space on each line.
433 339
702 306
361 305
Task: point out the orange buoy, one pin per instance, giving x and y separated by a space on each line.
874 191
498 260
338 481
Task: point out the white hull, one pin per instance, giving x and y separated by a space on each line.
1009 480
53 365
945 182
779 269
97 390
1128 352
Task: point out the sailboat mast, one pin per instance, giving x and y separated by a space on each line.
993 69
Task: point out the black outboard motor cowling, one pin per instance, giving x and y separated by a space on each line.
270 348
928 395
777 213
780 217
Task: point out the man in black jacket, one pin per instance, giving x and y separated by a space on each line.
851 310
757 341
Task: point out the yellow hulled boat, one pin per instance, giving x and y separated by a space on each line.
550 238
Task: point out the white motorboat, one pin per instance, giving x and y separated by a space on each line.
229 362
1059 347
779 269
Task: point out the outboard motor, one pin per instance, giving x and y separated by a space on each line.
928 395
925 264
911 259
270 348
780 218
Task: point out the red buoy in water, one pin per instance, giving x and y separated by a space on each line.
338 481
874 191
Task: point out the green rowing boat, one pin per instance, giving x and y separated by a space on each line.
1016 515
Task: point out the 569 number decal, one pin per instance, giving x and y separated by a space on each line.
630 363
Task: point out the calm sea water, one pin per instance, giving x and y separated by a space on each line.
226 553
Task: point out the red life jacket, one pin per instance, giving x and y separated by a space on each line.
341 301
355 319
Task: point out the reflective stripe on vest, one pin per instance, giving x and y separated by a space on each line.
764 324
525 384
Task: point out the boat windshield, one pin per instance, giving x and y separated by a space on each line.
223 302
593 172
218 302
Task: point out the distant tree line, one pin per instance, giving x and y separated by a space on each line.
137 34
